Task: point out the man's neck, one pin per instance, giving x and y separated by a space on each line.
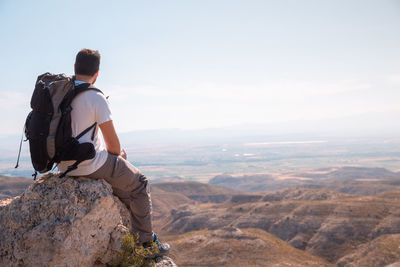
85 78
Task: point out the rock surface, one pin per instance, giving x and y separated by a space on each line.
63 222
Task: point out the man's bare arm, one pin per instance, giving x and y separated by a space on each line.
110 137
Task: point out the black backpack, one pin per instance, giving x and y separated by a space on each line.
48 125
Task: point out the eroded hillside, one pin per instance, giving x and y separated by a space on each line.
13 186
238 247
324 223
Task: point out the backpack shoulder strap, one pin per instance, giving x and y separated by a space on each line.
85 87
80 89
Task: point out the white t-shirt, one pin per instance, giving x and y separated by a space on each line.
87 108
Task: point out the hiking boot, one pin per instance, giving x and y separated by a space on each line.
163 248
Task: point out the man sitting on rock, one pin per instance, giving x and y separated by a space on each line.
109 163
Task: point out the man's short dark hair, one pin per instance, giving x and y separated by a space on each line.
87 62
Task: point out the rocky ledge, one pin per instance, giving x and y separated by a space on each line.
64 222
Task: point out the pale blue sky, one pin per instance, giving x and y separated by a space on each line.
197 64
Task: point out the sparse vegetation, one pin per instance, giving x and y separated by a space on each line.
133 254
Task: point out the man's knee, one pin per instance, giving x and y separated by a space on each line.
135 183
143 179
144 182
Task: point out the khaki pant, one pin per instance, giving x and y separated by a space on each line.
132 188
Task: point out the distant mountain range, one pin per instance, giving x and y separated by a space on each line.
355 180
375 124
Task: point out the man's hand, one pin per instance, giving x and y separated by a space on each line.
123 154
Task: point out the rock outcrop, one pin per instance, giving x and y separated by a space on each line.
64 222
